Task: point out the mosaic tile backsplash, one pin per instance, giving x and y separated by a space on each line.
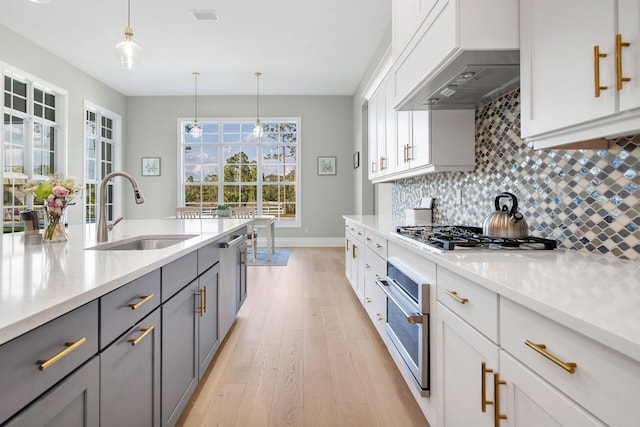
585 199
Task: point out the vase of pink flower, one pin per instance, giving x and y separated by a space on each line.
56 194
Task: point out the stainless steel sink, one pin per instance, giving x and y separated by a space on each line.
144 243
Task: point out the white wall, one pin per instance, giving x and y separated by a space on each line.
326 130
365 200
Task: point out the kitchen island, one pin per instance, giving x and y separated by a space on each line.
554 331
77 322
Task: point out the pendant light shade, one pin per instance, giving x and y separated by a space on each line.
257 129
127 51
195 131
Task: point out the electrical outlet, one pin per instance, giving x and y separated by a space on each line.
459 196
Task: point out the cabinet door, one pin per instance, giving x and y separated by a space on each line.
179 352
372 130
242 276
419 152
390 117
208 334
74 402
381 132
629 29
130 377
557 62
463 353
403 140
405 21
529 401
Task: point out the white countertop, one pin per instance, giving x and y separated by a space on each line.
598 296
43 281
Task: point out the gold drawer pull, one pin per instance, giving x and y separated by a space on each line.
368 239
619 45
367 266
596 69
541 348
497 416
145 298
485 402
204 299
454 295
378 245
144 333
200 309
44 364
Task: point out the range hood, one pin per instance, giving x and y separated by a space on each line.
471 79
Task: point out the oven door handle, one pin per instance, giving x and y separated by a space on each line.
411 317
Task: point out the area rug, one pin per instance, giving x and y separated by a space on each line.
280 257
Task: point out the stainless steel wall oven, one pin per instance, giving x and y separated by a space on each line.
407 326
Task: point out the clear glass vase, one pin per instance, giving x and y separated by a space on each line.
55 229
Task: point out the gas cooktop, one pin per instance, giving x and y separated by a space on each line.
450 237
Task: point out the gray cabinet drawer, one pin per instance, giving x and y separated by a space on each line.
208 256
23 377
179 273
124 307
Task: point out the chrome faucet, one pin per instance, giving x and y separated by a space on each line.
103 228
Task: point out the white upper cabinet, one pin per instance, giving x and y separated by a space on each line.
574 72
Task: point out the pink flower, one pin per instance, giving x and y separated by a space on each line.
60 191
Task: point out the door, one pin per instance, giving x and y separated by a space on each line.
179 352
469 362
208 333
74 402
558 63
629 30
130 377
529 401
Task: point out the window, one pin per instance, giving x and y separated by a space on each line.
32 111
101 148
228 165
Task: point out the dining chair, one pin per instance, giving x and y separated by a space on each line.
187 212
252 234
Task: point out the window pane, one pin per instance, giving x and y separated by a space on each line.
231 194
249 193
192 194
20 88
50 114
20 104
50 100
231 173
38 95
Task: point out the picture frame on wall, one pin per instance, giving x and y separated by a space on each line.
326 165
356 160
151 166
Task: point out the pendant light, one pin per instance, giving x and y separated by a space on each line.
195 131
257 129
127 51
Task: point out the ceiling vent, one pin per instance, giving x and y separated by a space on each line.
204 15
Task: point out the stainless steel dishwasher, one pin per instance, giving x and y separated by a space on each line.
233 279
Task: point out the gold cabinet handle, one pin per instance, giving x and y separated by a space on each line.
145 298
541 348
484 400
596 69
368 239
368 299
497 416
409 147
200 309
70 346
377 276
382 159
353 251
619 45
243 257
367 266
204 299
380 318
145 332
454 295
404 153
378 245
346 248
373 167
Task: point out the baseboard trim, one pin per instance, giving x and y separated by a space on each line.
304 242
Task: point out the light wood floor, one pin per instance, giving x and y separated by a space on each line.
302 352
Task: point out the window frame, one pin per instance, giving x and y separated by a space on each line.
181 122
116 141
59 126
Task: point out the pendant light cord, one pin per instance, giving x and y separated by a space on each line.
258 95
196 74
129 14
